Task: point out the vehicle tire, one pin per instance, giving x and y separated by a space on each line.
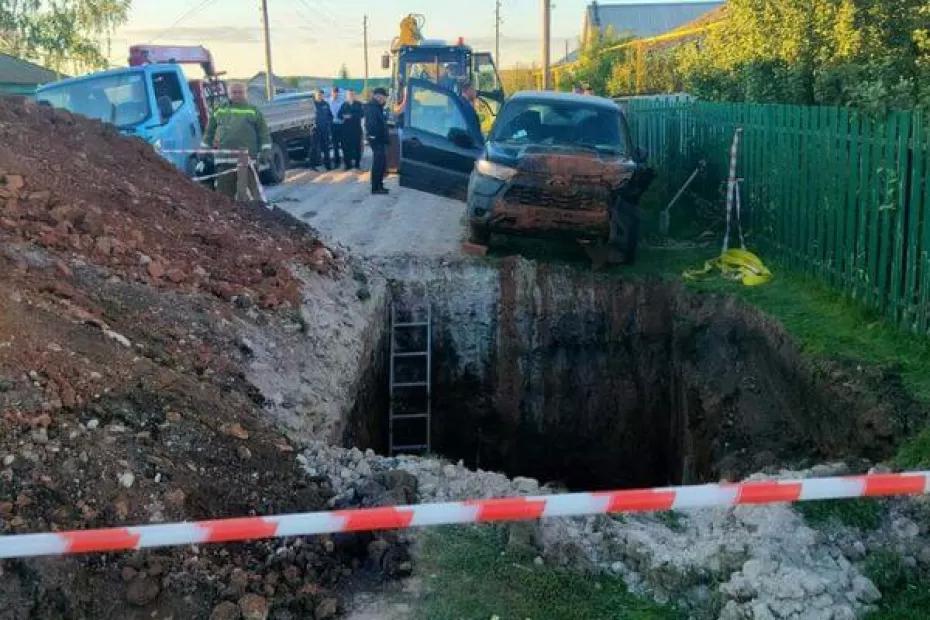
479 234
624 230
278 170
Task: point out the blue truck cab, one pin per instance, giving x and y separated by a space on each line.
153 102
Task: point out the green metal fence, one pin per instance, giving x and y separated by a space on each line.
834 192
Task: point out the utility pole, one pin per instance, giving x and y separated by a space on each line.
547 41
365 28
269 86
497 32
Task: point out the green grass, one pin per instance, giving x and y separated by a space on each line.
468 575
865 514
905 596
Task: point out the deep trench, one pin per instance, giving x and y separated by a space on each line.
601 382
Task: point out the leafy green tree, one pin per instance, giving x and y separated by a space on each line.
71 35
595 64
873 54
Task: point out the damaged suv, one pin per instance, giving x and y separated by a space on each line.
553 165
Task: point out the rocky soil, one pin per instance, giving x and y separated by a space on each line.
127 295
741 563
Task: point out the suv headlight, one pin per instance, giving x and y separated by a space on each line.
495 171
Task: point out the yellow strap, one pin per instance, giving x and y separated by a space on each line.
735 264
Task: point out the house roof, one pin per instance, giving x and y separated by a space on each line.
18 71
643 19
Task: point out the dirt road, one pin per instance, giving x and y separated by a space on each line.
339 204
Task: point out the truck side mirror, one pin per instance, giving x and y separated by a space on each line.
386 61
165 108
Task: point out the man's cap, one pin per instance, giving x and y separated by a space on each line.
380 91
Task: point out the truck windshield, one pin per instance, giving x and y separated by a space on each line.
561 123
117 99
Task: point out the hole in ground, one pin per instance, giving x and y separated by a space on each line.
594 382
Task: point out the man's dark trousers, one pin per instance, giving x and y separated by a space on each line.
378 166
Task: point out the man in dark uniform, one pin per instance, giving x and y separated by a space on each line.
322 132
351 114
378 138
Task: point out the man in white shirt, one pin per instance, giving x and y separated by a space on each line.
335 103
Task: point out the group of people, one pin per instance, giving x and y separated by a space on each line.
338 137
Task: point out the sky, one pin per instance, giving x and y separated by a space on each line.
316 37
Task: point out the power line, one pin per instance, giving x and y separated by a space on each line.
189 13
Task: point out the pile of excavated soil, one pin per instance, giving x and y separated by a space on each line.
123 397
76 185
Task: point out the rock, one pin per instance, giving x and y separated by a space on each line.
128 573
8 460
155 269
864 590
526 485
92 424
905 528
112 335
14 182
253 607
244 453
175 275
40 435
126 479
225 611
142 591
238 580
328 608
234 430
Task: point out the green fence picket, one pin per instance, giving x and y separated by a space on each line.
834 192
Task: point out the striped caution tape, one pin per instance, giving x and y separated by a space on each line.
472 511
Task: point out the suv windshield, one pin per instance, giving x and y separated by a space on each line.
117 99
561 123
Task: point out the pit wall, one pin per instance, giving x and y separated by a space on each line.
595 381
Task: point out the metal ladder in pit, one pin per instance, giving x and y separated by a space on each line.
410 423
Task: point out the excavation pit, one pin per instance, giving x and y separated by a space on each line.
598 382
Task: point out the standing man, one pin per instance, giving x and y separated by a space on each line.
335 104
351 114
238 126
377 132
322 132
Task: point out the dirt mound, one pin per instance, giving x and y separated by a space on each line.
76 185
122 390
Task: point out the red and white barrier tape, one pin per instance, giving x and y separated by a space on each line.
204 151
472 511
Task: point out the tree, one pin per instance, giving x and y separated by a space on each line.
69 35
343 72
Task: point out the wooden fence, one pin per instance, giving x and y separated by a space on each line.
834 192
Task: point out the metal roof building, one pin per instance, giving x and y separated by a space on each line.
642 19
21 77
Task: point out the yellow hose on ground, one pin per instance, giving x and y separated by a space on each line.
735 264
